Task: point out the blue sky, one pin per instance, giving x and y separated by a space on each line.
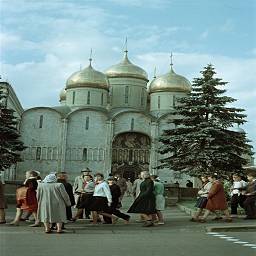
44 42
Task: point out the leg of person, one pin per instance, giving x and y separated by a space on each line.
228 217
26 216
47 227
94 217
2 216
195 217
37 223
17 217
121 215
149 222
160 217
206 214
234 204
69 213
249 206
59 227
109 215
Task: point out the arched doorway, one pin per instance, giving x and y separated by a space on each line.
130 154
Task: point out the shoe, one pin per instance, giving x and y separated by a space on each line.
48 231
3 222
217 218
13 223
148 223
194 220
35 225
24 219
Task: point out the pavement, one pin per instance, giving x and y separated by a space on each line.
178 237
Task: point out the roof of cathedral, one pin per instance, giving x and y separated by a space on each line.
126 68
88 77
170 82
63 110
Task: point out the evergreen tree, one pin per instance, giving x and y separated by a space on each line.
10 145
203 140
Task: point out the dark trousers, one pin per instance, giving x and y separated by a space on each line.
250 207
69 213
235 201
117 213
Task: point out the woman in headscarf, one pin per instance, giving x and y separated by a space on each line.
52 202
145 203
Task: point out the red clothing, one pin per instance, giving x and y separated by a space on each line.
216 197
26 197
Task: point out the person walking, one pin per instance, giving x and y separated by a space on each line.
26 198
202 198
250 201
136 186
237 197
3 205
102 199
121 182
52 202
216 199
145 203
160 200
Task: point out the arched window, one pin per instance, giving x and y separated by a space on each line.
158 102
73 97
173 101
38 153
41 119
126 94
87 123
142 98
88 98
132 124
85 158
102 99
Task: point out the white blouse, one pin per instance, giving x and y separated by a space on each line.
102 189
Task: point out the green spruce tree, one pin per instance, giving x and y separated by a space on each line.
203 140
10 145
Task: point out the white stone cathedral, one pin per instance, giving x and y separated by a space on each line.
107 122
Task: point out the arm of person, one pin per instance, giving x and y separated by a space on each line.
214 190
107 192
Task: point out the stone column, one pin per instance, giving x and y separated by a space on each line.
63 144
154 145
108 146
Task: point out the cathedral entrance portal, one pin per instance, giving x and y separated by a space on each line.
130 154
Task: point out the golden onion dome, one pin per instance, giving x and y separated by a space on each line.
63 95
170 82
126 69
88 77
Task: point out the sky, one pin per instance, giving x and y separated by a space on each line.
43 42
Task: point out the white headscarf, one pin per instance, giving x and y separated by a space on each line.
50 178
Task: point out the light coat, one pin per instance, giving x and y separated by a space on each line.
52 202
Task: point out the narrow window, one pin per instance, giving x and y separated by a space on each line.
88 98
173 101
41 119
85 154
38 153
87 123
126 92
74 97
102 98
158 102
132 124
142 98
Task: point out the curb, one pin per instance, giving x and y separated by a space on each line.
185 209
232 228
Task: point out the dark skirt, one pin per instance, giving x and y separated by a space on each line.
99 204
85 201
201 202
146 205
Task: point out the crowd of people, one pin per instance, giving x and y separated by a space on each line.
213 199
50 200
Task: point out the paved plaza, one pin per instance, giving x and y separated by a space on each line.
177 237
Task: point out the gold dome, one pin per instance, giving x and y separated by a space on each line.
170 82
126 69
88 77
63 95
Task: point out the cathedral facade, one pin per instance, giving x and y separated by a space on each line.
108 122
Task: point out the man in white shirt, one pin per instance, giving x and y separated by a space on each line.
237 197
